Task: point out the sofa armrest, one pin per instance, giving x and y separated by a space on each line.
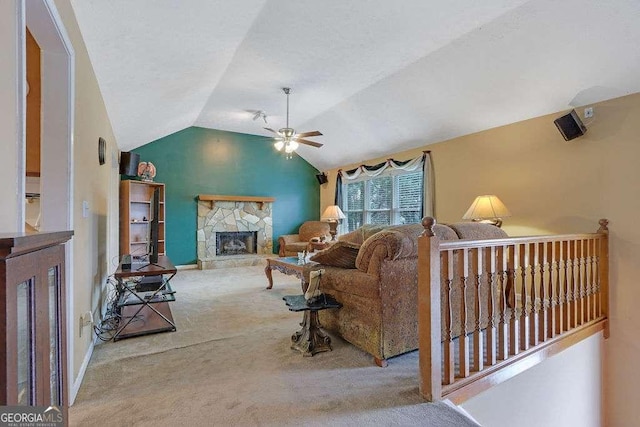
284 240
289 238
387 244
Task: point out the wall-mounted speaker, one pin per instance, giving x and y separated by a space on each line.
129 163
322 178
570 126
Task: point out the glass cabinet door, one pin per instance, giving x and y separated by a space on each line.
53 280
25 343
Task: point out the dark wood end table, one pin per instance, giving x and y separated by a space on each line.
311 338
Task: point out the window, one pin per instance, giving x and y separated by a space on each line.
394 197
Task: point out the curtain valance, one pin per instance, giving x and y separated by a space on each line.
421 162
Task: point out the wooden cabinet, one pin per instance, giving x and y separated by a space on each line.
135 212
33 348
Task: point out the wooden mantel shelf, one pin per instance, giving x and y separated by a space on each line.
260 200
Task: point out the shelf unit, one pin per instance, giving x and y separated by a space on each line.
135 205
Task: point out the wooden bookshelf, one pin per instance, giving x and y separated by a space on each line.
135 205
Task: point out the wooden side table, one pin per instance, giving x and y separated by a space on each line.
311 338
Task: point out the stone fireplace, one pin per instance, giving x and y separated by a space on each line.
233 230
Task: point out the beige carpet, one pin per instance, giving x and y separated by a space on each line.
229 363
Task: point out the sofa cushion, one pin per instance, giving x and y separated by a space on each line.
362 233
477 231
340 254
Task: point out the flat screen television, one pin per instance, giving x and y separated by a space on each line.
154 213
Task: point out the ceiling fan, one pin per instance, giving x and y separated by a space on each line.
288 138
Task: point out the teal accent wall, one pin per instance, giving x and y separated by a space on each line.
205 161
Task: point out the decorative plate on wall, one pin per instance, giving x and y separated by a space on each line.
146 171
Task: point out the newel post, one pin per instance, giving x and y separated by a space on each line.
603 271
429 312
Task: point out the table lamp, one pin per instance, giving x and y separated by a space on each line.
333 215
487 209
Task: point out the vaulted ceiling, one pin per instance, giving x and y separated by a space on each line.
375 77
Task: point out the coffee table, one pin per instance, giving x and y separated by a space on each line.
287 265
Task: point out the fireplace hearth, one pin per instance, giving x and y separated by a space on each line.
236 242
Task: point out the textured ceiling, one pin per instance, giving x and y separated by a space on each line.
374 77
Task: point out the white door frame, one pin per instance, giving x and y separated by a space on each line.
57 127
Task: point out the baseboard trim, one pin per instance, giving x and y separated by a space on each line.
75 388
187 267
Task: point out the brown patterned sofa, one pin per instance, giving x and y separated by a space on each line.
379 293
291 244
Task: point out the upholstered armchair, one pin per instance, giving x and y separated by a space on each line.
291 244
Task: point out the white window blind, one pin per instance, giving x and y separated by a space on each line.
394 197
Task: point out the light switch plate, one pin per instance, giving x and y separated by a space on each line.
85 209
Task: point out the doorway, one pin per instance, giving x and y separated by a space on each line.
57 80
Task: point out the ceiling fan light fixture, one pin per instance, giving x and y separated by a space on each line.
287 137
287 132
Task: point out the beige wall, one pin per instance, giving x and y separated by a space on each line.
95 247
552 186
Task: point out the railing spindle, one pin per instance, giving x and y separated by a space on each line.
582 293
565 287
514 253
503 325
463 339
525 297
490 268
478 338
553 288
573 305
591 280
449 362
576 283
597 279
536 323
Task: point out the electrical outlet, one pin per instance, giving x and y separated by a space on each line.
588 112
85 319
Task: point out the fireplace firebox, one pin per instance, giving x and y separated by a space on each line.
236 242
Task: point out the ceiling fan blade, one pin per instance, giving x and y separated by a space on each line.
312 133
307 142
271 130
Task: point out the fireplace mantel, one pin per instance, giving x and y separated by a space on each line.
261 200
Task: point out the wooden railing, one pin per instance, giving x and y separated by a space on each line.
490 309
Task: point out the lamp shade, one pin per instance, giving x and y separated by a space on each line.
332 213
486 207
